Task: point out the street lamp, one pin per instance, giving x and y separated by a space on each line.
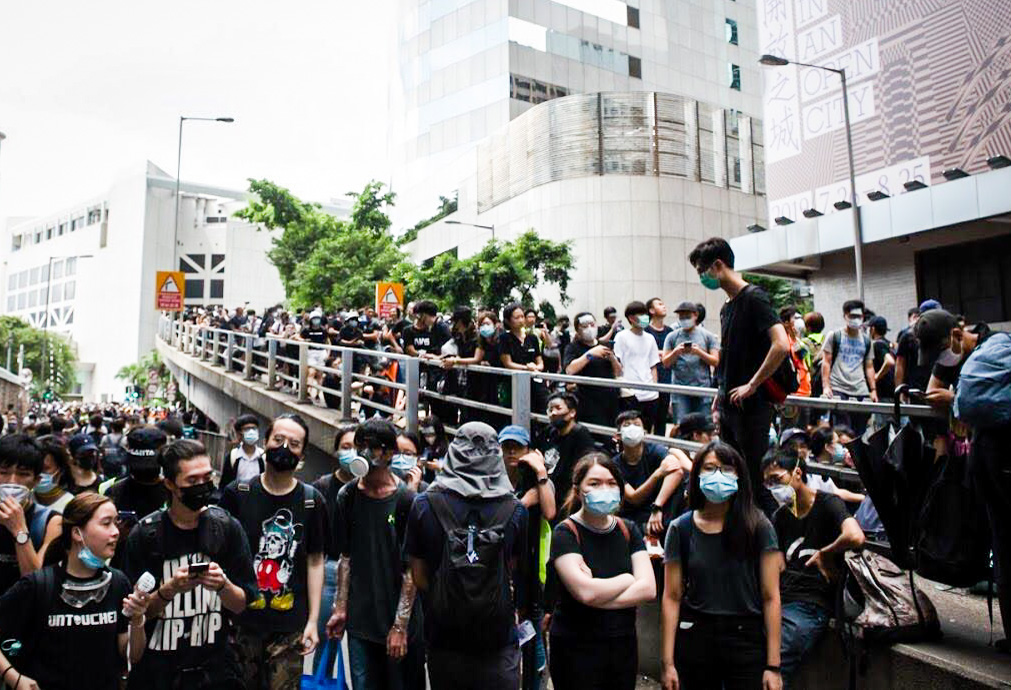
45 317
473 225
858 229
179 160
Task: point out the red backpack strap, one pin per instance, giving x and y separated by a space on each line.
624 530
571 526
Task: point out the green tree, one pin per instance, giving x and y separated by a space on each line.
446 207
782 292
322 258
61 360
138 373
500 272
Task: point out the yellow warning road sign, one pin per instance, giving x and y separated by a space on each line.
168 290
389 296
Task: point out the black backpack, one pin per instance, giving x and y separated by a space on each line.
212 533
470 593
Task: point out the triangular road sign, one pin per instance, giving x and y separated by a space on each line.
390 297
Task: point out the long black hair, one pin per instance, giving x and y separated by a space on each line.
740 529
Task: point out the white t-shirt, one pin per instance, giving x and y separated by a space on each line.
248 467
638 355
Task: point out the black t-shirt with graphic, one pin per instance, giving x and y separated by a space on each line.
799 539
606 554
745 321
563 452
368 535
430 340
351 335
282 532
65 648
314 334
193 628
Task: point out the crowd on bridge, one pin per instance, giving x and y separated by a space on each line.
476 553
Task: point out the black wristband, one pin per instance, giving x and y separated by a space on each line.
160 596
655 508
542 481
774 669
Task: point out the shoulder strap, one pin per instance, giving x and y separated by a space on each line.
623 526
405 499
836 340
152 535
443 513
212 531
39 521
571 526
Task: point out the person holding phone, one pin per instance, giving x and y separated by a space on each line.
202 563
692 353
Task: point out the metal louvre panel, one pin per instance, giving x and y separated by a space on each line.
633 133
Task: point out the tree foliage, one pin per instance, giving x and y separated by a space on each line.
138 374
500 272
63 372
446 207
782 292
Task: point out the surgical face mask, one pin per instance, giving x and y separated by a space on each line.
949 358
588 333
602 501
196 497
632 434
487 330
251 436
314 322
87 556
709 281
16 491
686 323
855 322
839 453
46 483
401 464
642 320
281 458
717 487
78 594
784 494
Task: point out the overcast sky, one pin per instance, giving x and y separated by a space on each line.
90 89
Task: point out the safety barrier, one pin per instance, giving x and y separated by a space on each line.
268 360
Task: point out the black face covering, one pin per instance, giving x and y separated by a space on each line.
282 459
196 497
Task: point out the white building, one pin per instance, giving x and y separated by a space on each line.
629 128
99 259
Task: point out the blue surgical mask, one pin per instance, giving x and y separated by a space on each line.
46 484
642 320
346 456
718 487
709 282
401 464
251 436
602 501
89 559
487 330
839 453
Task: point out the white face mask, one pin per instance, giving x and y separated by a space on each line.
632 434
799 326
855 322
686 323
588 333
949 358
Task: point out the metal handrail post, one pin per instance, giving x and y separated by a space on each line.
303 372
412 376
521 398
347 378
271 364
229 350
249 357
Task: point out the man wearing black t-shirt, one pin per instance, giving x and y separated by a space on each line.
814 530
754 344
284 524
202 563
564 442
586 356
425 339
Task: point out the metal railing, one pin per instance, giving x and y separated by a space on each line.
266 360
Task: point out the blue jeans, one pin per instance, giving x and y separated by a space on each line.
686 404
803 625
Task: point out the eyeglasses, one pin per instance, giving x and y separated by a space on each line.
293 444
775 479
726 470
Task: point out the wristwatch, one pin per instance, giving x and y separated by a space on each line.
21 537
655 508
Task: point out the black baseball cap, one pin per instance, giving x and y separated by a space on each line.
878 323
80 443
145 440
793 434
688 306
932 331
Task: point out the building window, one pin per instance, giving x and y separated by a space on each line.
533 91
69 290
634 67
33 277
71 266
12 281
973 278
194 289
218 263
57 270
731 32
49 233
192 263
734 73
217 289
94 215
57 295
633 17
63 228
11 302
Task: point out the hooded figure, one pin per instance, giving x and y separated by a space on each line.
474 467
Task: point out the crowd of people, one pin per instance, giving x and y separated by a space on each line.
486 556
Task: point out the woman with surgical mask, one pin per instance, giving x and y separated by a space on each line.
827 449
601 564
720 610
91 616
404 463
55 465
434 446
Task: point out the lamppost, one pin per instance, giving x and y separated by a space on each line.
473 225
179 161
858 229
45 316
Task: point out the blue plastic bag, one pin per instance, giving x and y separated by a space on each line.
983 397
330 654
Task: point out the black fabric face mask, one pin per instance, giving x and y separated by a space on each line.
281 458
196 497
